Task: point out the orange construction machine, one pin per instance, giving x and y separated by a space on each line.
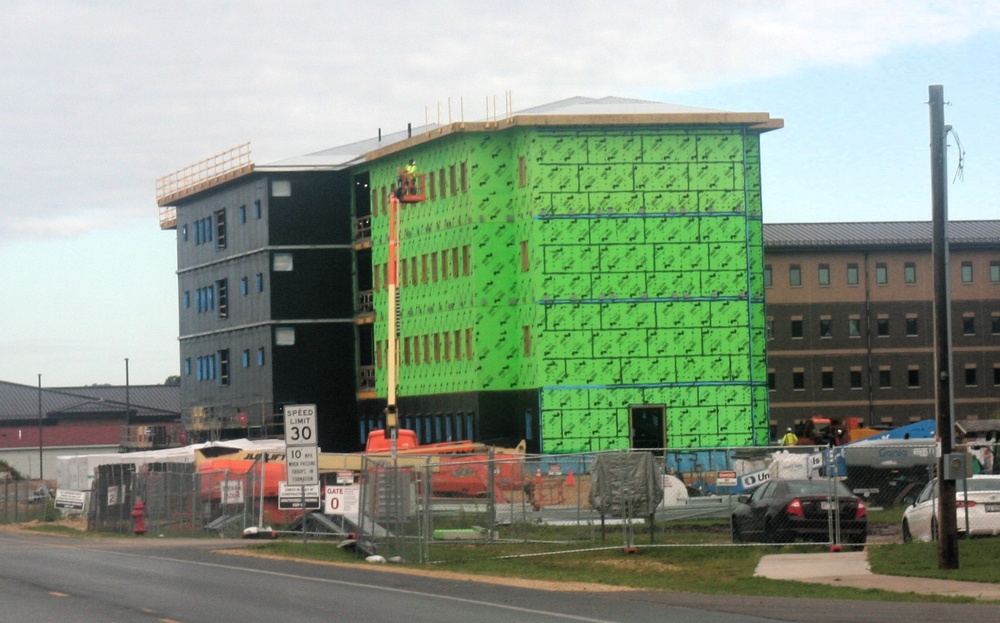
822 431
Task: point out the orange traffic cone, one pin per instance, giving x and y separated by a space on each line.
569 479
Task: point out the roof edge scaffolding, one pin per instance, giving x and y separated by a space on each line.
759 122
212 171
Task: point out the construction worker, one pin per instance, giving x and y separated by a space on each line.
790 439
411 176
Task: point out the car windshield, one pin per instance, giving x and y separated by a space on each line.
981 484
817 487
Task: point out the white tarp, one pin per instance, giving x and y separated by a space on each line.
76 472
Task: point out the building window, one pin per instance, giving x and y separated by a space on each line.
769 327
767 276
995 324
966 272
526 340
282 262
284 336
881 274
794 275
187 367
798 379
187 299
243 214
245 360
970 376
796 327
464 176
466 260
256 209
969 324
994 271
854 327
223 356
184 232
826 378
996 374
772 381
244 287
852 274
222 285
220 229
260 356
825 327
524 256
281 188
857 381
913 377
885 377
909 273
824 274
522 172
882 326
260 282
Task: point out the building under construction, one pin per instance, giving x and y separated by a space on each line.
585 275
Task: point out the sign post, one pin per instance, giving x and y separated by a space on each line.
301 452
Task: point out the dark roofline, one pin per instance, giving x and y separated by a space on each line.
897 234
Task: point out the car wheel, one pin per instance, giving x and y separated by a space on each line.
907 535
858 539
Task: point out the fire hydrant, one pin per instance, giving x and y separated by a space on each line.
139 517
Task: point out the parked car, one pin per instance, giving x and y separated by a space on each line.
977 505
781 511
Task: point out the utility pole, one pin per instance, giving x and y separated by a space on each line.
947 519
41 444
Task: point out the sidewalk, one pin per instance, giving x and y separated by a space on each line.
851 569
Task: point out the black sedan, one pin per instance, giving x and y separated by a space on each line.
780 511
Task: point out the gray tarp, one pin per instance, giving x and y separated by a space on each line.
625 485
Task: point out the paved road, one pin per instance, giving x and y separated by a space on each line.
88 580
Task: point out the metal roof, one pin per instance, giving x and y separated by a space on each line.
574 111
20 402
899 233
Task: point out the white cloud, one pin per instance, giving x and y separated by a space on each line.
100 98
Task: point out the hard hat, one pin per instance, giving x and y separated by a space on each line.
789 429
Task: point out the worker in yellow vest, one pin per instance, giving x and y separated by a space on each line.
790 439
411 176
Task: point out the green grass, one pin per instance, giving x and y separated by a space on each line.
976 557
706 570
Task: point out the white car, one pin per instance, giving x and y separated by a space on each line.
977 505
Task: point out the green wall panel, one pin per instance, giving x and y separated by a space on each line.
642 244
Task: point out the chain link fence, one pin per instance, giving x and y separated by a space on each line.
25 500
427 508
179 501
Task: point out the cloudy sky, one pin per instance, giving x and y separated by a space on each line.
98 99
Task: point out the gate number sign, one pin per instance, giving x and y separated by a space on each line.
300 425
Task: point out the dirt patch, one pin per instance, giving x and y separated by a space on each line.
635 564
542 585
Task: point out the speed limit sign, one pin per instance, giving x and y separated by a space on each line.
300 425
